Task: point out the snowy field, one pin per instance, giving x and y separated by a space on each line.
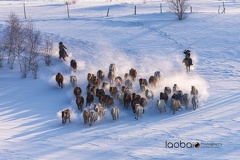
149 41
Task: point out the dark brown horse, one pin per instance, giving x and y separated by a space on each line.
188 63
164 96
89 99
59 78
127 100
143 82
73 64
100 75
80 102
77 91
133 73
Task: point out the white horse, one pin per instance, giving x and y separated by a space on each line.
99 109
149 94
194 102
111 76
115 113
186 99
112 68
93 117
73 81
161 105
139 110
157 74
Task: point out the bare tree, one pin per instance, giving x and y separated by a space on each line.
34 69
32 43
24 68
48 50
28 50
179 7
1 54
11 37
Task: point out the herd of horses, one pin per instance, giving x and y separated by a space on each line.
106 92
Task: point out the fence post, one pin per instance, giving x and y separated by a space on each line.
223 8
191 8
67 9
160 7
24 10
107 12
135 10
218 9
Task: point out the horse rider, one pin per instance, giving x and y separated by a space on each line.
187 57
187 53
62 52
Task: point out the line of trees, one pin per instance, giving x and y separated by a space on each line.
24 43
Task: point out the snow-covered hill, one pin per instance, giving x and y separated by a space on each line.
149 41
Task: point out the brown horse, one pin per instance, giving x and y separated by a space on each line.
188 63
100 75
66 116
73 64
80 102
89 99
77 91
118 81
152 81
59 78
126 100
133 73
86 116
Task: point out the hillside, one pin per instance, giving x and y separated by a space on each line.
149 41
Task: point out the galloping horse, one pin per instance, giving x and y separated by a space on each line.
73 64
59 78
66 116
188 63
62 53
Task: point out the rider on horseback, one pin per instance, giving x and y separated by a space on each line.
187 56
187 53
62 52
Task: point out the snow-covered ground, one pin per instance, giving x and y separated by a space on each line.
149 41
